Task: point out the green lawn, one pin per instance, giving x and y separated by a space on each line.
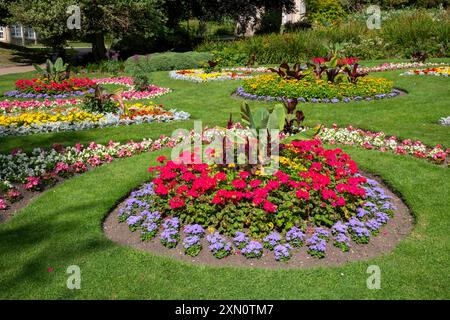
63 226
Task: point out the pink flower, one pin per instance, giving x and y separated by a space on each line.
341 202
3 205
161 159
33 183
269 206
239 184
176 202
255 183
244 174
301 194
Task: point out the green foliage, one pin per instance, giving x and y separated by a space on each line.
263 118
141 81
324 11
285 71
53 71
118 18
100 102
167 61
406 32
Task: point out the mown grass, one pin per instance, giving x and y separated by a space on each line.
62 227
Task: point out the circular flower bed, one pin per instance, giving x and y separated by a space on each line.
271 87
437 72
199 75
317 197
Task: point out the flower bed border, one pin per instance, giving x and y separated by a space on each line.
130 94
420 72
91 156
108 120
240 92
398 227
176 76
379 141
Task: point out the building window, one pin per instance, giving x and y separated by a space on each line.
30 34
2 32
16 32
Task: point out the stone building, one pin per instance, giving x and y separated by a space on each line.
247 26
18 35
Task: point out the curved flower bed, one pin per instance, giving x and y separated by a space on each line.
317 197
21 173
73 120
40 86
248 69
402 65
199 75
272 88
437 72
391 66
17 106
379 141
130 94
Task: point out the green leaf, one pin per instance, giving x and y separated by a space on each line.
246 115
277 118
260 118
39 69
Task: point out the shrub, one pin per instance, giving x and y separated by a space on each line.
403 33
324 11
166 61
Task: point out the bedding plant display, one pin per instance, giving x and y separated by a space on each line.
437 72
97 109
75 118
317 198
24 173
326 80
201 75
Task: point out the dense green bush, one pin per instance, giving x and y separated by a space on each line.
324 11
167 61
407 31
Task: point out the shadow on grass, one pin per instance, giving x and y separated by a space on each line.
46 242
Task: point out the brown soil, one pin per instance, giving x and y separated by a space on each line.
27 197
390 235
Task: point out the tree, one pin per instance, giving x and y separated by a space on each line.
98 18
4 12
238 10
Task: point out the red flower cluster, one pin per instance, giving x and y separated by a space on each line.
340 62
38 86
329 178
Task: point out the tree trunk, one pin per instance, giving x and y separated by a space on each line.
98 47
